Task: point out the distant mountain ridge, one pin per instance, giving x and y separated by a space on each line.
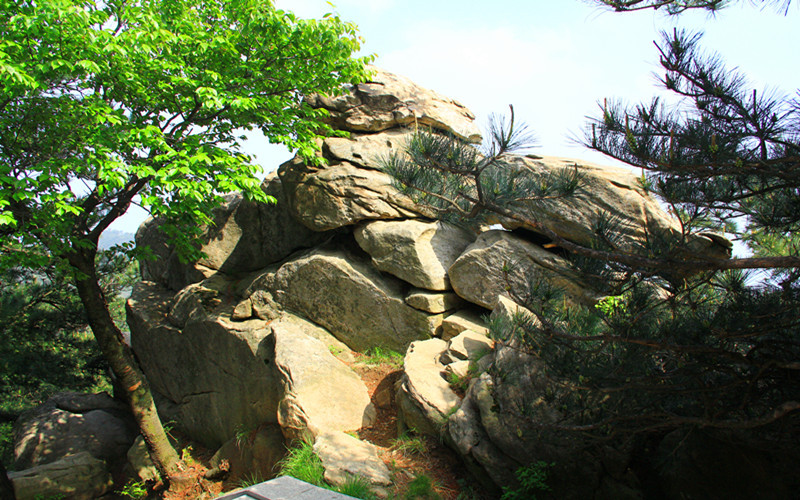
114 237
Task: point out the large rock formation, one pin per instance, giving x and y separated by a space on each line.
355 302
254 335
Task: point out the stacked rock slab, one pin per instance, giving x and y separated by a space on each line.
345 261
604 191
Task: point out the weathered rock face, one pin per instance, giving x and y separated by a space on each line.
239 374
245 236
416 251
342 194
503 425
361 307
389 101
477 276
71 423
604 190
464 320
344 456
199 365
423 395
350 188
80 477
254 453
321 394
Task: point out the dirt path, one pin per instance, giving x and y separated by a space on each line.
410 456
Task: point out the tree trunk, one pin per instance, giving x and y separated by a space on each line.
6 486
123 364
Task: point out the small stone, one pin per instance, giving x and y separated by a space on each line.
433 302
263 306
344 456
458 368
461 321
470 345
243 310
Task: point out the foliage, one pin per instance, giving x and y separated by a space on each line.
465 185
356 487
405 443
148 108
46 346
680 339
421 487
532 479
380 356
458 382
302 463
134 489
104 104
678 6
250 479
6 443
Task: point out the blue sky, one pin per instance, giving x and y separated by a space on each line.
554 60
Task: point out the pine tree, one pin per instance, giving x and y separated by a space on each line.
679 340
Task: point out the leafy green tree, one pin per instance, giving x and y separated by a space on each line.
680 340
104 104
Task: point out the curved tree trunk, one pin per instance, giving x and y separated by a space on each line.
123 364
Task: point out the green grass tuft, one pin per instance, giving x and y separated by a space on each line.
356 487
250 479
410 444
380 356
422 487
302 463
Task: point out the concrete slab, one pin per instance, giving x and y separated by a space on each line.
284 488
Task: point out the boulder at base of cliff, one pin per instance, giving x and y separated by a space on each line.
212 374
70 423
320 393
344 456
77 477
